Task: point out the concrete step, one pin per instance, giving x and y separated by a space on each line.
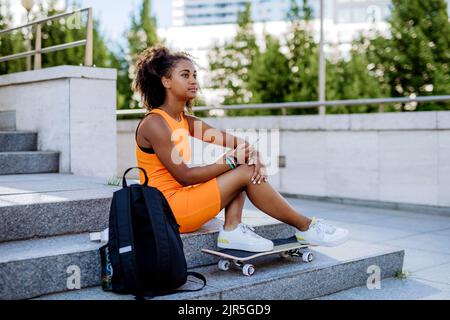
32 268
42 205
14 141
7 120
27 162
333 270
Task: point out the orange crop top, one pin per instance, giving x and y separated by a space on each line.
159 177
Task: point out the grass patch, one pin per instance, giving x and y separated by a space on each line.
115 181
402 274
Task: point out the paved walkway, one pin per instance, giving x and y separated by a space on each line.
425 239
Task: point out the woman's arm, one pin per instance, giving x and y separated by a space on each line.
159 135
203 131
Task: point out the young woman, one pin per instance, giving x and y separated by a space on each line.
167 83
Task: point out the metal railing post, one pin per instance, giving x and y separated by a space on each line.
88 54
28 47
38 47
28 41
322 74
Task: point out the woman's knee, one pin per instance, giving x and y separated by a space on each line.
245 172
232 183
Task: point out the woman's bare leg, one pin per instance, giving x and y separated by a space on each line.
233 211
263 196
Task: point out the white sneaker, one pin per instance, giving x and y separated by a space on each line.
243 238
322 234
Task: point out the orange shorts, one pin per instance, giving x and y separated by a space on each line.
195 205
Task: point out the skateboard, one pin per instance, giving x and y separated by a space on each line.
289 247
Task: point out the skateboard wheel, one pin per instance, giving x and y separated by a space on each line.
307 256
248 270
284 254
224 265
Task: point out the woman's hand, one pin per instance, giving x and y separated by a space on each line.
260 171
241 153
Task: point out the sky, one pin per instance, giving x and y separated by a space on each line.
114 16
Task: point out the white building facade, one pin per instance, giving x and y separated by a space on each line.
207 12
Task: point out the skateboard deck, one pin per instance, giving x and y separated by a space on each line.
289 247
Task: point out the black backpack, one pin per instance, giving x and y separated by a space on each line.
144 255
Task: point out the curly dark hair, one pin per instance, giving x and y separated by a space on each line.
153 64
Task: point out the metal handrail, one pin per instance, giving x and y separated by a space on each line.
307 104
88 42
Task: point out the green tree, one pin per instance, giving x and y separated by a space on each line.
141 35
10 43
303 57
230 63
268 79
124 92
67 30
354 78
143 30
415 59
54 32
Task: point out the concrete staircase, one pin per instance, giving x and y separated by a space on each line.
275 278
18 150
46 218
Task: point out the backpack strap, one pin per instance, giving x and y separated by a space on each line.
160 232
150 295
124 181
125 241
198 276
169 211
